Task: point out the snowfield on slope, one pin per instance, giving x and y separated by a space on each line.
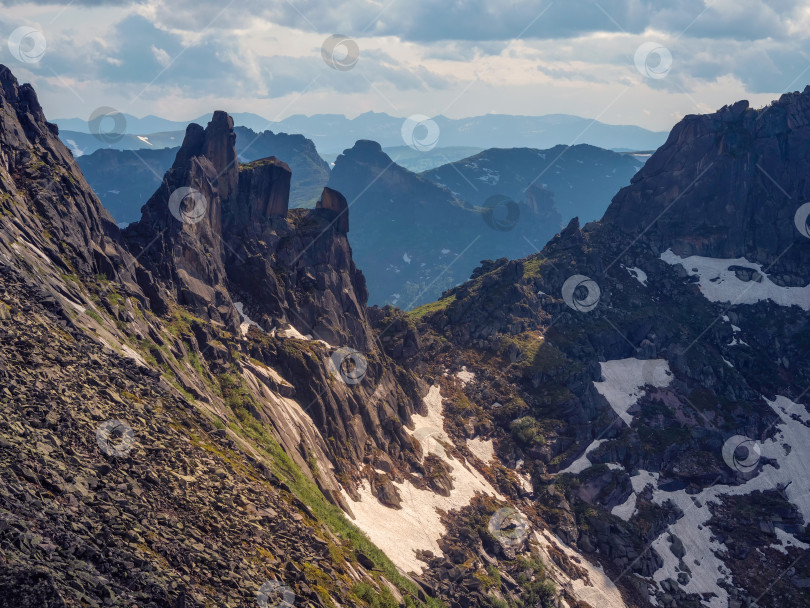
417 525
790 448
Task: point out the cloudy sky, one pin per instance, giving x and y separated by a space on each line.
638 62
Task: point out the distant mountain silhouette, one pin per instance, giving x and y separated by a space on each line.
333 133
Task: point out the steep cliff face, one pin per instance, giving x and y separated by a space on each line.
728 185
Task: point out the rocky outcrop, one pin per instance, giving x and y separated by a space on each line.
264 191
292 274
124 180
334 201
309 171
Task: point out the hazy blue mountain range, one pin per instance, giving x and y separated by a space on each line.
333 133
414 234
583 178
419 160
413 239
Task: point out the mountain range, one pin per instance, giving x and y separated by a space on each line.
201 409
417 235
333 133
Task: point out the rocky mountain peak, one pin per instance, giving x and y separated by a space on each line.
728 185
263 191
364 151
23 100
47 210
220 149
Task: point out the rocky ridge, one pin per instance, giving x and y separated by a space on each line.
620 393
196 498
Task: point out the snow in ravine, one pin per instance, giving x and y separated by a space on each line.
417 525
583 462
483 449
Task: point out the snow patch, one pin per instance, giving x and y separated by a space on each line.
288 331
719 284
490 177
246 320
74 147
624 380
790 448
465 376
786 539
583 462
627 509
638 274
